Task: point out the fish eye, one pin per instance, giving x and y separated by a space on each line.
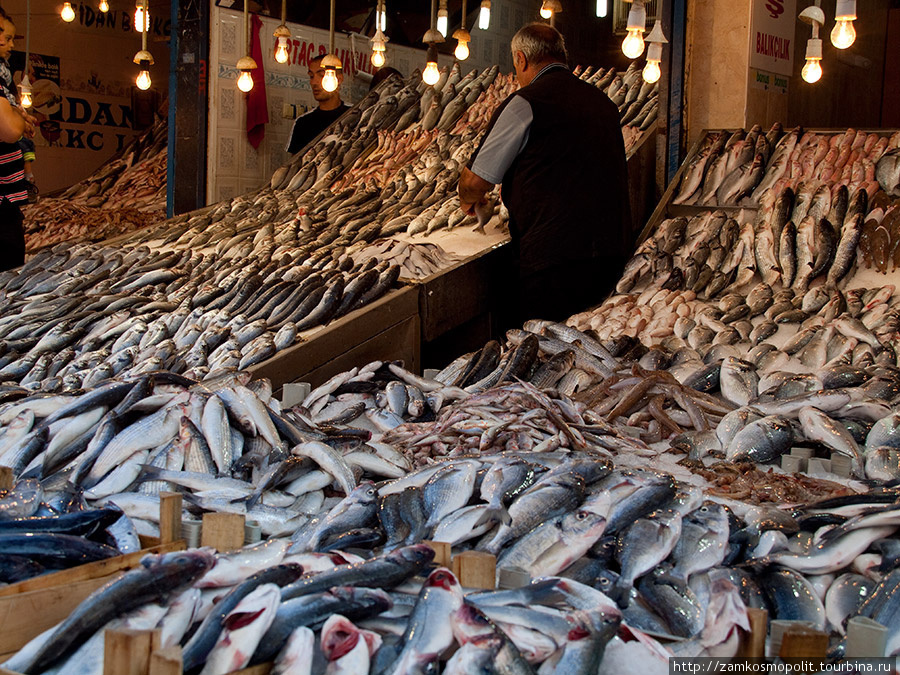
704 509
581 515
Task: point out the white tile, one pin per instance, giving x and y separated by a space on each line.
226 157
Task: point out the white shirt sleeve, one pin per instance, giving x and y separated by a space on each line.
505 141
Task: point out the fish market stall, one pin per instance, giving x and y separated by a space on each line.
720 436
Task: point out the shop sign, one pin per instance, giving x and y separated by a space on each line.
771 82
772 35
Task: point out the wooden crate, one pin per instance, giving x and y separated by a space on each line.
380 330
30 607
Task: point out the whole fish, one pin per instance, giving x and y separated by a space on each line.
242 630
157 577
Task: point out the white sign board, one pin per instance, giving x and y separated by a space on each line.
772 35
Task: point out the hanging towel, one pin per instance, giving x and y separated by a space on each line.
257 106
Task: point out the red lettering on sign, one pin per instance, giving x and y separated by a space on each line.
775 7
772 45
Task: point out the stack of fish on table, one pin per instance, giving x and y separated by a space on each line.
124 194
78 314
583 506
737 168
637 100
623 561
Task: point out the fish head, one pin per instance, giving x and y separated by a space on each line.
597 624
469 623
339 637
417 554
443 578
364 494
181 565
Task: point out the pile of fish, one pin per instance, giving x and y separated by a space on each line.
78 314
627 566
416 261
228 446
741 167
53 220
125 194
637 100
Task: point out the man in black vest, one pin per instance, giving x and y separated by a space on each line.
556 148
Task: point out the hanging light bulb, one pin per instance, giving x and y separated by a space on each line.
379 47
812 71
844 34
431 74
484 15
656 39
103 6
633 44
246 65
463 39
332 64
282 35
381 16
549 8
25 92
25 98
602 8
144 59
442 18
67 13
143 80
141 17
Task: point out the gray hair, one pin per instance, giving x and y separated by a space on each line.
540 43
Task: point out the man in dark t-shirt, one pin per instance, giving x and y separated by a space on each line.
308 126
556 148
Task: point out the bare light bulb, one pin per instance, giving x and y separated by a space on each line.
431 74
651 72
484 15
281 52
843 34
381 19
546 12
602 8
442 20
103 6
141 19
67 13
245 81
378 59
812 71
143 80
25 100
633 44
329 80
462 51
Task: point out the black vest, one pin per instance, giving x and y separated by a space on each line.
567 191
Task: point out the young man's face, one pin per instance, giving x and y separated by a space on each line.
7 33
316 72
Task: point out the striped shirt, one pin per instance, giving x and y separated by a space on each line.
12 166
